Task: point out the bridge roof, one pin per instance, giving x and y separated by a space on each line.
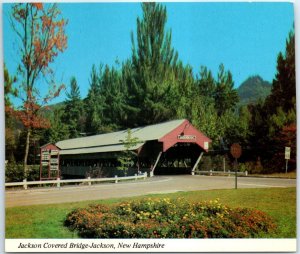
112 142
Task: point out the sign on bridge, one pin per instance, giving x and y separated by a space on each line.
186 137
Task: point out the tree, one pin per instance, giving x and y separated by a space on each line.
9 88
259 129
126 160
280 105
182 95
284 85
153 59
94 104
235 126
74 116
131 109
59 130
212 107
114 94
206 83
271 119
226 97
10 135
41 33
204 117
287 137
154 49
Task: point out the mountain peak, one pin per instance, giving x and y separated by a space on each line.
253 89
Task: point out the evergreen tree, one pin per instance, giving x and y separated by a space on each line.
184 93
10 131
154 49
271 120
280 105
152 61
73 115
284 85
258 126
226 97
206 83
131 106
9 89
59 130
114 94
94 104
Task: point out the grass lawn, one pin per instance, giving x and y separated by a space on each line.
46 221
289 175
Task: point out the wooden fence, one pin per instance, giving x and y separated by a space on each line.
88 180
211 172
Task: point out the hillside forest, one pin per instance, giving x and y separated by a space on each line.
151 86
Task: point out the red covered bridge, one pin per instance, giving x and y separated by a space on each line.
173 147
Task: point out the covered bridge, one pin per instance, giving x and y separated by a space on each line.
171 147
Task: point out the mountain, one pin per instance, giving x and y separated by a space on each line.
253 89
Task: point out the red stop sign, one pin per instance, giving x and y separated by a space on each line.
236 150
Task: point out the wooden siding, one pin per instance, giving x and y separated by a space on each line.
184 129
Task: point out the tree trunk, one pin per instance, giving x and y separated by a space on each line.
26 151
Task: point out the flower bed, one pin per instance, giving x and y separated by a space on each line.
165 218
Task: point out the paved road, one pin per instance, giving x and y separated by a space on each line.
157 184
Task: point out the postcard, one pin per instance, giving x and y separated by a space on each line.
149 126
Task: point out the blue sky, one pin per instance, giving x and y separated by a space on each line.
245 37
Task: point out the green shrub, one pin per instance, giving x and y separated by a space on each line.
15 173
206 163
165 218
253 167
33 173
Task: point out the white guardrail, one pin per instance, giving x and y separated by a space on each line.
211 172
88 180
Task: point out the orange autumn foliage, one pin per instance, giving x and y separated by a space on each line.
41 32
29 116
44 36
39 6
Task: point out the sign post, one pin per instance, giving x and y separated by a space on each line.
49 162
236 152
287 156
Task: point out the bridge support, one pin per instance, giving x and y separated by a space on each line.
196 164
157 159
